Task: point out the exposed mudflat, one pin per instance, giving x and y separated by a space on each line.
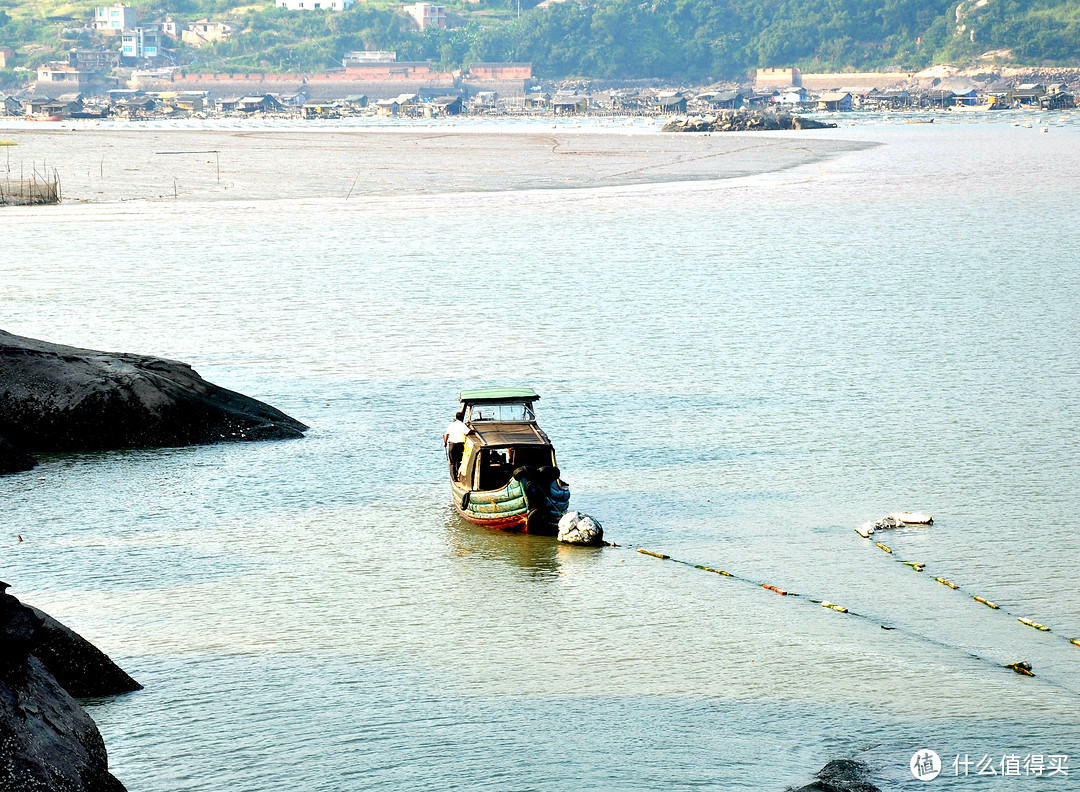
114 164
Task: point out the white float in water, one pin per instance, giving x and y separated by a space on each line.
580 529
912 518
894 520
866 530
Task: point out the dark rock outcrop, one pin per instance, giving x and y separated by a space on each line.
60 398
47 741
12 460
744 121
77 665
841 775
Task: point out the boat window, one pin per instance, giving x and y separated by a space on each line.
504 411
532 456
495 466
495 469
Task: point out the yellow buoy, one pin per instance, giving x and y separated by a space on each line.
985 602
710 569
945 582
1075 641
654 555
833 606
883 547
1034 624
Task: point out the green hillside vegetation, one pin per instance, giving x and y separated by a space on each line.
691 40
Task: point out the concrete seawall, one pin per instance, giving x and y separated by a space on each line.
325 87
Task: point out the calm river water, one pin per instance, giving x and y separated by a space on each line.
735 373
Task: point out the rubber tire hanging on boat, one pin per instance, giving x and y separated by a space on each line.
520 473
538 522
535 495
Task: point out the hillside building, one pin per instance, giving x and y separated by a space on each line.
94 60
314 5
362 57
426 15
140 44
501 71
203 31
114 18
57 77
778 78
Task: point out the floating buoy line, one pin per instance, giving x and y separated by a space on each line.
1022 668
919 566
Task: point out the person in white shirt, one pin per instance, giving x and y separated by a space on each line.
456 431
454 442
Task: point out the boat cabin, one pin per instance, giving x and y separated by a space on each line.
492 453
504 436
500 405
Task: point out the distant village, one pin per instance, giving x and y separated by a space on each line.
131 77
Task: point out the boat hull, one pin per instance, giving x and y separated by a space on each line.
515 523
510 509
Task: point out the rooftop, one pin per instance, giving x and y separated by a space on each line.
498 394
509 434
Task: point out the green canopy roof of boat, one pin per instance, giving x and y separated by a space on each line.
498 394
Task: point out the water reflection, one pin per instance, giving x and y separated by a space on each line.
542 557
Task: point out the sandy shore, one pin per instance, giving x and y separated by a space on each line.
102 164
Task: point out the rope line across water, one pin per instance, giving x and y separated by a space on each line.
1019 668
919 566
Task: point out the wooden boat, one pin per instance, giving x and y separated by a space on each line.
504 475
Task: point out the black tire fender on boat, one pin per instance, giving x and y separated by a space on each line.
539 522
535 495
520 473
465 501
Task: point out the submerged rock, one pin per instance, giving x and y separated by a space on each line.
60 398
47 741
841 775
12 460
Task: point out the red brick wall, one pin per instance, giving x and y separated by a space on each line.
382 72
391 71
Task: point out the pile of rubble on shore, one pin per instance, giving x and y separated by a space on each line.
744 121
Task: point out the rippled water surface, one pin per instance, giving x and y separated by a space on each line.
734 373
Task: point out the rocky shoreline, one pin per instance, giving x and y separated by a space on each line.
61 398
47 741
744 121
